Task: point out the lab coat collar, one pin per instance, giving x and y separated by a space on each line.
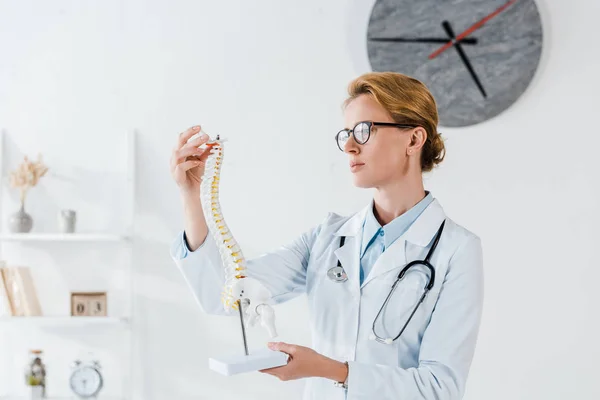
420 232
353 226
409 246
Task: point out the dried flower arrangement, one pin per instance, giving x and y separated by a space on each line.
27 175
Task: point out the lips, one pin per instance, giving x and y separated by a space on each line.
355 166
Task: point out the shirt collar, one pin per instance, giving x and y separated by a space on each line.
396 228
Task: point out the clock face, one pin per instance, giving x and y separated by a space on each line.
86 381
476 56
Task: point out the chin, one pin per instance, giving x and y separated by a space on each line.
362 182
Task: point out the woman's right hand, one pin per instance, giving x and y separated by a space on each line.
188 161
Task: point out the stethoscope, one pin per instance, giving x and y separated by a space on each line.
337 274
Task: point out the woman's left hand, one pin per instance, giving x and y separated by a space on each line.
305 362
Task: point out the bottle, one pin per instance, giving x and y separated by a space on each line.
35 374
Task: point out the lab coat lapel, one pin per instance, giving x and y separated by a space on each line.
420 233
349 256
393 257
349 253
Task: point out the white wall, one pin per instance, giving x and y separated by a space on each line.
270 76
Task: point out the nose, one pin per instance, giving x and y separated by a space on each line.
351 147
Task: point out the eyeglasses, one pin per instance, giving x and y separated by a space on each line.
362 132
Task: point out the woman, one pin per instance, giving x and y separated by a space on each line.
390 138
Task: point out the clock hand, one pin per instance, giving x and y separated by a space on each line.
422 40
463 56
472 29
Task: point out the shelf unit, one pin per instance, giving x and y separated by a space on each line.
66 321
57 398
62 237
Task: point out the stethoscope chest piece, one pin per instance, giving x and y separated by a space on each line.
337 274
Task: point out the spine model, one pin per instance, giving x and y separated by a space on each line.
237 286
231 254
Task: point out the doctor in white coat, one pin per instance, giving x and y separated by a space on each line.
390 138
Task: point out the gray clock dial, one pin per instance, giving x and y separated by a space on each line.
476 56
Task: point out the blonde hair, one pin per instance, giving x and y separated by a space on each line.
408 101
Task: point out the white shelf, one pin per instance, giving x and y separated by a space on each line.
63 237
65 320
100 397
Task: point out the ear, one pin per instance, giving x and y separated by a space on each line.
418 137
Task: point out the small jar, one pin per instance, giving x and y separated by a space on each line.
35 375
67 220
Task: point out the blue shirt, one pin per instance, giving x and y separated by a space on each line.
180 248
377 238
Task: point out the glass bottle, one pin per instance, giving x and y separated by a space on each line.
35 375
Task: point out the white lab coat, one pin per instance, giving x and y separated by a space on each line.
429 361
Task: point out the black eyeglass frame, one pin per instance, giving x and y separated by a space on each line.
370 125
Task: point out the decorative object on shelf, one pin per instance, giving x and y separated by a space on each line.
5 309
25 177
86 380
88 304
66 221
20 222
20 292
35 375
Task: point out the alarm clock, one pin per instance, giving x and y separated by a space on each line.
86 380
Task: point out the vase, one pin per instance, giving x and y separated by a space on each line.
20 222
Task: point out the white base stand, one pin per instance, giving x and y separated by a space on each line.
240 363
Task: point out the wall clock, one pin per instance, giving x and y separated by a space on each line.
476 56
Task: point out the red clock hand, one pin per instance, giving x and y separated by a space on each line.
471 29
